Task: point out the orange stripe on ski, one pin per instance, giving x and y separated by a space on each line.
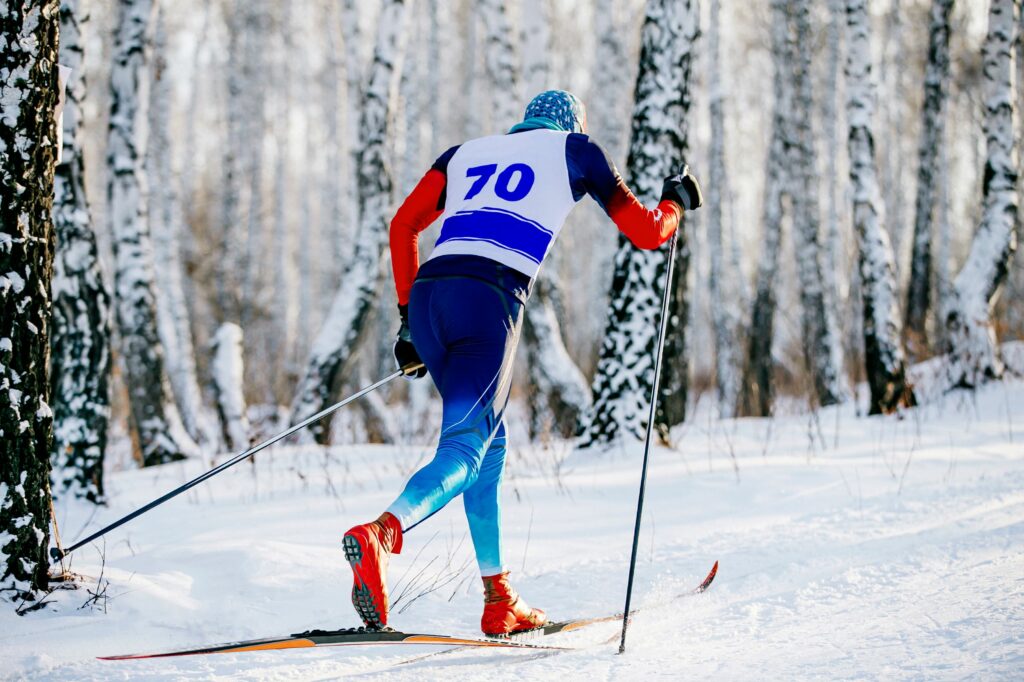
430 639
287 644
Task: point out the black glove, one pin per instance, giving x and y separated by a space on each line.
405 352
683 189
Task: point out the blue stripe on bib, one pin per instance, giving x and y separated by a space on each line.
502 228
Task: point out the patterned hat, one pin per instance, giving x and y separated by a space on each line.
564 108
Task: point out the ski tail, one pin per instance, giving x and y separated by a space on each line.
708 580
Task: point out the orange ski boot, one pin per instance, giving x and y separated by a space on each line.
505 612
367 548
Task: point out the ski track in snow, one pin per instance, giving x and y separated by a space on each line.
897 554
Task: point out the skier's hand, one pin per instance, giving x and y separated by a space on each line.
405 352
683 189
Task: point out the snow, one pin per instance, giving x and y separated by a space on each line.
850 547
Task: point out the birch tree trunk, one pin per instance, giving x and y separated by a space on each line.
817 324
884 362
757 387
165 221
973 355
723 313
345 322
558 390
28 80
227 370
154 417
625 373
80 342
933 123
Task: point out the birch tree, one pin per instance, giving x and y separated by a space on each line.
933 123
884 361
226 370
625 373
165 221
345 323
28 80
817 324
757 387
80 341
973 355
155 421
723 313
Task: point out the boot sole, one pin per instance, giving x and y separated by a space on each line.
362 597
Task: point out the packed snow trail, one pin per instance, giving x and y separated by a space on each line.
849 547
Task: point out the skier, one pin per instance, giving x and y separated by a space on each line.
502 200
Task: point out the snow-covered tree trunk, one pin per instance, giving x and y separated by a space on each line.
500 64
933 123
345 322
155 421
535 29
28 81
757 387
817 324
723 313
625 373
558 390
833 261
80 339
226 371
282 340
254 126
165 226
884 361
610 93
973 355
229 265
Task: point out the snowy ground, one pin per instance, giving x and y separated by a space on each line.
850 548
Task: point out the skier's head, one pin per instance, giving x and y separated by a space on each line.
562 108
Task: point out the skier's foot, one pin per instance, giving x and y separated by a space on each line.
367 548
505 611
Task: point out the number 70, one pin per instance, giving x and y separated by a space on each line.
503 184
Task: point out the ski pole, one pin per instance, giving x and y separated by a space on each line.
56 554
650 429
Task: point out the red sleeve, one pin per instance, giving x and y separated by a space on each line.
417 212
646 228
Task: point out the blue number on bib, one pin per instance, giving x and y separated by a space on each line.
523 185
502 186
482 175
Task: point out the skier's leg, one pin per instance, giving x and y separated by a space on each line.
504 610
483 507
478 326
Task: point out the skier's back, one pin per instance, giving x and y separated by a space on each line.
502 202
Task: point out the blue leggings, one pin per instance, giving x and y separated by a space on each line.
466 331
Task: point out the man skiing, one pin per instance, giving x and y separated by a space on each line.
502 200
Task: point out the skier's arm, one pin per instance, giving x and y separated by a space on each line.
592 172
422 207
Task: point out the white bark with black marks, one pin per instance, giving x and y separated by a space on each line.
929 175
80 341
757 388
227 370
166 224
345 323
884 359
973 354
155 421
625 373
28 152
819 337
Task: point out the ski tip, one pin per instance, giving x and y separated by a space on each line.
709 579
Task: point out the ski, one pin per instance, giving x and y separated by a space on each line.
569 625
577 623
324 638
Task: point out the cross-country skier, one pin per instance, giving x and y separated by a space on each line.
502 201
